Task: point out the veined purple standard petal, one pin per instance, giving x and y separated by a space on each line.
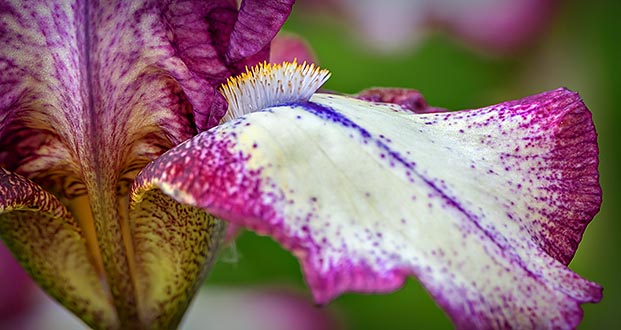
485 207
256 26
90 92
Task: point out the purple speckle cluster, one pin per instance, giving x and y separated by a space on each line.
211 174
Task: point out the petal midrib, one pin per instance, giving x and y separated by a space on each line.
107 228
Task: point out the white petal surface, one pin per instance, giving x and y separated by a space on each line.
484 206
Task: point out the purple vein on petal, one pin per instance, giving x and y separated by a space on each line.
256 26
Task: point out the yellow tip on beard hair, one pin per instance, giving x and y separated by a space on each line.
267 85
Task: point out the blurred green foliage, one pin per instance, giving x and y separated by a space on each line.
581 50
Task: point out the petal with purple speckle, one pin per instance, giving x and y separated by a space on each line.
485 207
174 246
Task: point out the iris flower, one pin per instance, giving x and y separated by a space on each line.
119 164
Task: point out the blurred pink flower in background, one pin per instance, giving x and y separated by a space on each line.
498 26
257 308
287 47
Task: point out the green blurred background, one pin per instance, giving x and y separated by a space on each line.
581 50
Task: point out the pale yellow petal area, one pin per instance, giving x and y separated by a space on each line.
50 245
175 245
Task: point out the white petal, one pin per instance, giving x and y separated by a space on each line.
484 206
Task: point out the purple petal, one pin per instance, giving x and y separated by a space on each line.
486 207
256 26
93 91
408 99
232 232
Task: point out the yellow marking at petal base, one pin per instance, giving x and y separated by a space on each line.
267 85
123 207
80 208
